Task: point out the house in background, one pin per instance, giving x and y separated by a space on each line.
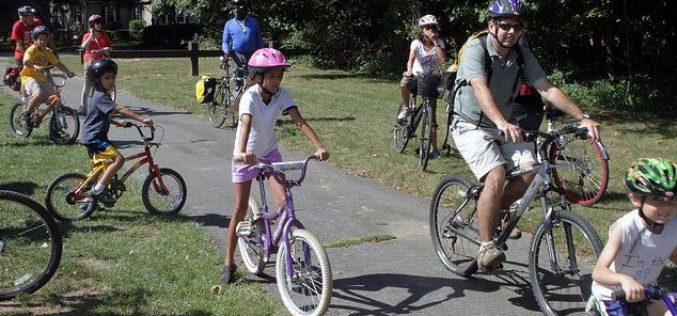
71 16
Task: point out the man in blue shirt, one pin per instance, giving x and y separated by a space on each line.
241 34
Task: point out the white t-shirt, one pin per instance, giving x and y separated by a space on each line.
262 139
643 254
426 62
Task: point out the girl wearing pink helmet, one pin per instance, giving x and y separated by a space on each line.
96 45
255 138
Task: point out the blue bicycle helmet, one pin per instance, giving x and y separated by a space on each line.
40 29
507 8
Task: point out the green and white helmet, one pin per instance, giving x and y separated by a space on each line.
652 176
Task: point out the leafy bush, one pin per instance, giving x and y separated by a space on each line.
169 35
135 28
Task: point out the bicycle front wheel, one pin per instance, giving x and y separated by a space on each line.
19 130
563 253
453 225
61 202
30 245
216 110
581 169
251 247
426 136
166 196
309 290
64 126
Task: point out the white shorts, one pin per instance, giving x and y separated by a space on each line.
484 149
33 87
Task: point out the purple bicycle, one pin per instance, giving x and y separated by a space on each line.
652 293
302 268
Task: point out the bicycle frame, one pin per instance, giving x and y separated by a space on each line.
286 212
145 157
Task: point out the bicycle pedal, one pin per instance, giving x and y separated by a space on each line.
244 229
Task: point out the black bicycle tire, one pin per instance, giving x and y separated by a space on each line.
590 234
50 203
435 234
426 136
146 187
572 196
54 130
14 120
56 241
219 103
233 115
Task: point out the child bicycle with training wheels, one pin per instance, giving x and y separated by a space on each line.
640 242
102 75
36 86
255 139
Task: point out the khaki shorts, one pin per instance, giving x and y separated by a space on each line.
33 87
484 149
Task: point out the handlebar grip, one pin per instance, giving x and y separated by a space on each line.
618 295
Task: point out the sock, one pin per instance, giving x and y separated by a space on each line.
98 188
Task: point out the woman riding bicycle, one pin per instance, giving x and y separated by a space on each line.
426 53
640 242
255 138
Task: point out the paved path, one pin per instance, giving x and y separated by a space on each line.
400 276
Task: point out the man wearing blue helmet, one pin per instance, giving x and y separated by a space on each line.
492 146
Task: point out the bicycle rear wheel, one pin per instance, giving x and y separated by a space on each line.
30 245
164 198
19 130
64 126
61 201
562 287
216 110
251 248
309 291
426 135
580 168
453 225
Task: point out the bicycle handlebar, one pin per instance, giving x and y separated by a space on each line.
279 168
138 128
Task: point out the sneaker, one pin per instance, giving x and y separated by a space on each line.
434 154
228 274
490 257
104 197
404 113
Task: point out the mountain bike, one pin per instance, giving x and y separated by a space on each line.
30 245
64 124
563 250
580 164
222 108
652 293
422 114
302 269
163 191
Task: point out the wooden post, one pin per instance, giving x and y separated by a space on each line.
192 53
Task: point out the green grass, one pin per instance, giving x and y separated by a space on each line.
123 261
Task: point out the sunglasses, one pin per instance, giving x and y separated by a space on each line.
507 26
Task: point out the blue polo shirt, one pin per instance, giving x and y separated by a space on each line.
242 38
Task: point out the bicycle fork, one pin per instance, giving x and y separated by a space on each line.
550 224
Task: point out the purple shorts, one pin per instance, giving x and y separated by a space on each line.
243 173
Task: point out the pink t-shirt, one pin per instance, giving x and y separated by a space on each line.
22 32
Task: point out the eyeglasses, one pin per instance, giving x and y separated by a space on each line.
507 26
429 28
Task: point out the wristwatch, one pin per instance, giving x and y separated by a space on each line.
584 116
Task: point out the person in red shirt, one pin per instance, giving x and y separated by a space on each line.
21 32
97 45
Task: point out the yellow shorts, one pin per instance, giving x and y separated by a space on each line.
106 155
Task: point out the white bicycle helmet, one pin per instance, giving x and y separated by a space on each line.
427 20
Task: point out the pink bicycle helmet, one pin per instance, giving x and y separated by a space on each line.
267 58
94 18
